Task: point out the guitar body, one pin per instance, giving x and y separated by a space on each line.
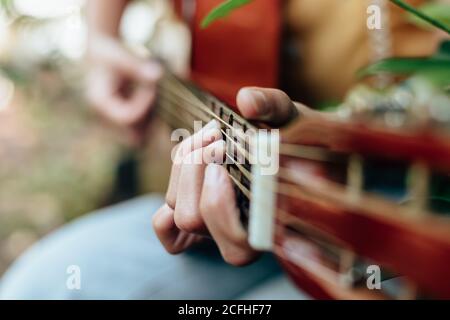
241 50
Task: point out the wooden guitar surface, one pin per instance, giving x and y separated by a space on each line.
241 50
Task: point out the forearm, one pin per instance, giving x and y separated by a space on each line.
103 17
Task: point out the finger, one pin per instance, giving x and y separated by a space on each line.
187 214
269 105
113 53
173 239
207 135
140 103
221 216
210 133
119 111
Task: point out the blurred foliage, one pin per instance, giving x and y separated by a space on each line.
427 16
432 13
435 68
58 161
437 10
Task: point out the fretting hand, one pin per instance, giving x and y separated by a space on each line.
200 200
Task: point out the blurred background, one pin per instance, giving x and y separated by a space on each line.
58 160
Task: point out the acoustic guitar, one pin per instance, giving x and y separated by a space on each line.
350 203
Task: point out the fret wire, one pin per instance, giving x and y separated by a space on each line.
279 187
200 108
243 152
246 173
284 217
245 191
287 189
303 152
284 174
238 118
212 114
201 105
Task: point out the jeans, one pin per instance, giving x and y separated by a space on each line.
117 256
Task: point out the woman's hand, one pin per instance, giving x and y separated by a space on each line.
120 85
200 200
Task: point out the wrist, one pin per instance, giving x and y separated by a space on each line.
98 42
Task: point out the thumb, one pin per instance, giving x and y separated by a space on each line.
272 106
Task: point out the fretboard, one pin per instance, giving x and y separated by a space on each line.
181 103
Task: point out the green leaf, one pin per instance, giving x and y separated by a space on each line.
435 68
421 15
437 11
223 10
444 50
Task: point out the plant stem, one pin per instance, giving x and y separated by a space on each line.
421 15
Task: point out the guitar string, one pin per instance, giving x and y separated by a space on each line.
247 193
241 168
292 150
245 172
291 189
198 103
279 188
183 87
285 217
244 152
240 135
304 151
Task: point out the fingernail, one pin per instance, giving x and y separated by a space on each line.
257 100
212 124
213 134
152 71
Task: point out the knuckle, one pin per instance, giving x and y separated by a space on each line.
156 221
188 222
193 157
170 201
211 203
173 250
237 257
240 240
161 220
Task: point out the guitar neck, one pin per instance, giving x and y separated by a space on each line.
182 104
187 99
